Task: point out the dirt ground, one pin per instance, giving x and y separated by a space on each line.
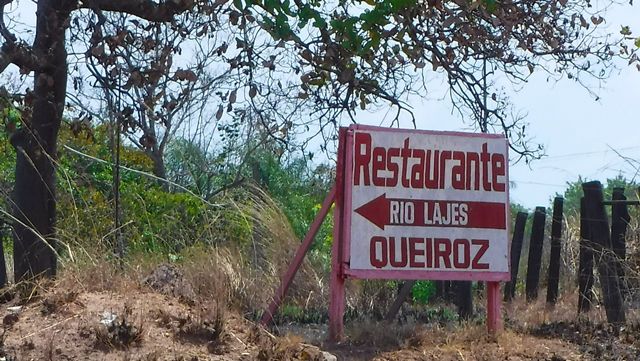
141 324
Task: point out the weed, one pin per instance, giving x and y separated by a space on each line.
206 326
376 334
292 313
423 291
54 302
121 331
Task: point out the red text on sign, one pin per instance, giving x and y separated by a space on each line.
432 253
427 168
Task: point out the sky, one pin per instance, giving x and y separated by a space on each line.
579 133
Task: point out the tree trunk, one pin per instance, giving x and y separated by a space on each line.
464 299
159 169
34 193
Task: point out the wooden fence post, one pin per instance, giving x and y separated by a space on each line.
606 260
553 278
619 221
516 250
445 291
535 253
439 290
585 267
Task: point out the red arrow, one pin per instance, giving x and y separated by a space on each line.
439 213
377 211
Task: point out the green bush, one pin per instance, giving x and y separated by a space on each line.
423 291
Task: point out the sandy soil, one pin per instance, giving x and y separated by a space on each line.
141 324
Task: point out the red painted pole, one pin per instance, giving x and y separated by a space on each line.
337 298
494 323
336 287
267 317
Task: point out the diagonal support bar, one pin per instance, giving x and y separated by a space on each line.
268 314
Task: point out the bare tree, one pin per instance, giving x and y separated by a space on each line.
139 69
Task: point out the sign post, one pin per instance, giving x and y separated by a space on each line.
414 204
337 279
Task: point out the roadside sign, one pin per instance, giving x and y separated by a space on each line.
425 205
413 204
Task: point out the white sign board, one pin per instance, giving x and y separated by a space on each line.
426 205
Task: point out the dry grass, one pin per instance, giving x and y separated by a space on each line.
206 326
289 347
55 302
270 251
382 335
521 314
244 276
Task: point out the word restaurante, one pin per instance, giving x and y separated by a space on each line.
426 168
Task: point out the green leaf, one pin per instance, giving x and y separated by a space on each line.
271 5
375 38
637 42
402 4
286 8
626 31
491 5
282 26
337 24
238 4
13 116
319 22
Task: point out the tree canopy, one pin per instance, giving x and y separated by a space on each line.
356 53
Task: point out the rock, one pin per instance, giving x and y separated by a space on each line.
310 352
108 318
328 357
14 309
169 280
10 319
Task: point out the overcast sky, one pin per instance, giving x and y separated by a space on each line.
578 132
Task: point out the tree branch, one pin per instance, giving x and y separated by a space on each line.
18 54
3 28
144 9
13 51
